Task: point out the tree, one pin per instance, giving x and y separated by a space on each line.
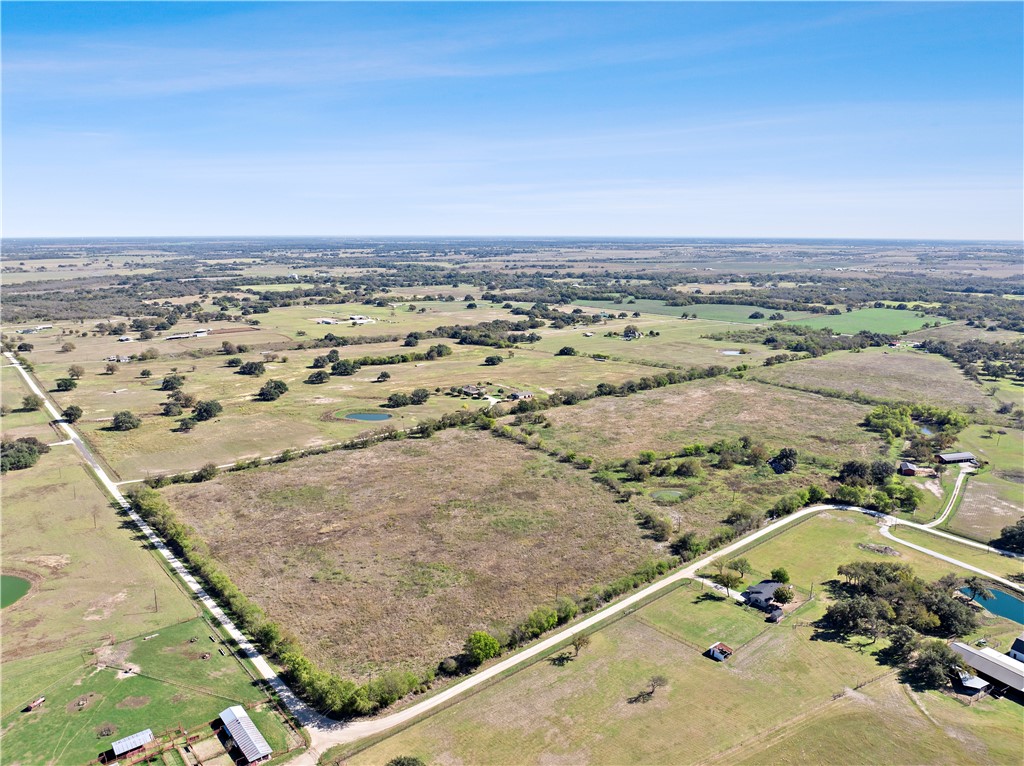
20 453
320 376
271 390
580 642
171 409
399 400
207 410
76 371
756 315
785 461
977 588
657 682
344 367
172 382
383 376
67 348
66 384
235 361
855 473
228 347
419 396
406 760
72 413
252 368
1011 538
146 373
25 347
934 665
493 360
31 402
111 368
187 424
205 473
567 351
782 595
4 410
729 580
126 421
780 575
903 642
481 646
741 565
881 471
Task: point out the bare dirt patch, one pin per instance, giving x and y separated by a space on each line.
394 554
132 703
52 561
983 512
83 702
102 608
883 550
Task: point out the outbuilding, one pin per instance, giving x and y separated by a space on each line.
132 744
990 664
719 651
520 395
957 457
1017 650
246 736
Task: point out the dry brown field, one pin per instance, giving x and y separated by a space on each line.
394 554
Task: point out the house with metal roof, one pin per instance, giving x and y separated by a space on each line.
1017 650
719 651
991 664
245 734
762 594
131 744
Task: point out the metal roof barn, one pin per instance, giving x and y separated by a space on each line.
135 741
245 734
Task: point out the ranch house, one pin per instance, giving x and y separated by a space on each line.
762 594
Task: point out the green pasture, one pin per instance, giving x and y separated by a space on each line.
1003 566
889 321
717 312
994 497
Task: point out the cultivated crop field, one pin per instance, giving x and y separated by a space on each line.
782 680
391 555
902 375
703 411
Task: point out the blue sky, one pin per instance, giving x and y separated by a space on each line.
575 119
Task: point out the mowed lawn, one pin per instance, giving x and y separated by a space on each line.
782 681
994 498
391 555
703 411
891 321
903 375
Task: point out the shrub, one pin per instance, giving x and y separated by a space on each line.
494 360
208 410
66 384
271 390
252 368
481 646
320 376
72 413
126 421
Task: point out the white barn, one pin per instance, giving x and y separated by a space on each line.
245 734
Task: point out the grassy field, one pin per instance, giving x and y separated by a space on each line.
994 498
96 590
678 342
392 555
1003 566
717 312
19 422
958 332
666 419
170 685
308 414
874 320
780 682
892 374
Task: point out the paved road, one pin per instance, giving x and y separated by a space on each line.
326 733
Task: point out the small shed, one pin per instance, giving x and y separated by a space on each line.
130 744
957 457
519 395
776 615
36 703
245 734
719 651
908 469
970 684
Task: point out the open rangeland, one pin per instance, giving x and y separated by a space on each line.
307 415
19 422
994 498
391 555
903 375
666 419
716 312
781 680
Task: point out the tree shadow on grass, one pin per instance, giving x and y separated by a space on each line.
709 595
641 698
561 659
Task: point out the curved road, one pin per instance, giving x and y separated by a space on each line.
325 732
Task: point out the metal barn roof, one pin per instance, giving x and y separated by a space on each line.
245 734
952 456
128 744
1004 669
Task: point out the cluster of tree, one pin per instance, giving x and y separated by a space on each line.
16 454
899 421
875 486
880 595
433 352
272 390
418 396
802 341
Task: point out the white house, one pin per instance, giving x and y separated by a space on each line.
719 651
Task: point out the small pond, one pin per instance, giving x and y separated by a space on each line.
1003 605
371 416
11 589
